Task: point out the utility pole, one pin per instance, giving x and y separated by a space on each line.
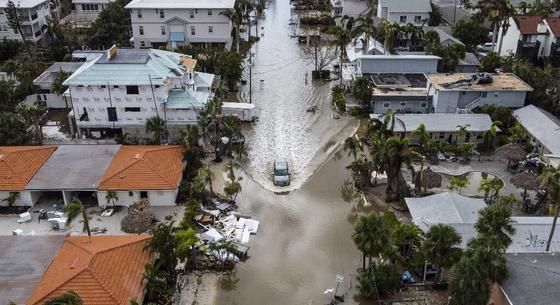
454 12
250 77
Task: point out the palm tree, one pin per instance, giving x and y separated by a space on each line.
469 283
186 240
361 171
74 209
498 12
462 131
352 146
111 197
207 175
422 134
371 237
68 298
397 154
11 199
228 247
367 27
157 127
343 36
441 247
495 221
235 15
550 181
523 7
485 185
392 34
491 134
458 183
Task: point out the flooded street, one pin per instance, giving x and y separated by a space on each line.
285 129
305 238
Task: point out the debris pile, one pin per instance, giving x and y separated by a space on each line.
139 219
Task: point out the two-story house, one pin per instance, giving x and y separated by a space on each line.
530 37
416 12
171 23
462 92
84 12
117 90
32 15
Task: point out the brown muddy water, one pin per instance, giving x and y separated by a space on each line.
304 241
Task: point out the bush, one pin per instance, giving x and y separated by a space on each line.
356 111
338 99
382 280
323 20
323 74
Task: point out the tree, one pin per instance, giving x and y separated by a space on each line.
342 37
392 34
352 145
229 65
470 32
57 86
321 56
441 247
497 12
11 199
111 197
495 221
436 17
550 180
469 284
371 236
396 155
13 22
164 243
232 188
361 171
68 298
490 62
74 209
158 128
458 183
366 26
362 91
186 239
406 237
34 115
518 135
423 135
192 209
112 26
12 129
206 175
378 280
450 55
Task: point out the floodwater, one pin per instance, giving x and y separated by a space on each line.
304 241
281 94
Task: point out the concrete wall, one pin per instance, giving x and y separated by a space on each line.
127 198
449 101
411 106
410 17
53 100
25 198
185 21
454 137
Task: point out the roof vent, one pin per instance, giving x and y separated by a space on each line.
121 176
137 156
74 263
1 156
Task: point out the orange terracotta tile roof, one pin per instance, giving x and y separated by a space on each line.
102 270
18 164
151 167
528 24
554 24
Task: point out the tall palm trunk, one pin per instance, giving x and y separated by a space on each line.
549 241
86 222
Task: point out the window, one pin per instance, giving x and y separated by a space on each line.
441 135
417 19
484 94
210 29
142 44
191 13
403 19
423 105
141 30
193 30
163 30
209 12
161 14
130 194
144 195
156 86
132 109
112 114
463 92
132 90
387 105
102 86
139 14
115 87
403 104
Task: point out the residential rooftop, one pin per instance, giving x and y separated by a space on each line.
48 76
23 261
542 125
181 4
462 212
23 3
74 167
441 122
402 6
460 82
18 165
528 25
101 269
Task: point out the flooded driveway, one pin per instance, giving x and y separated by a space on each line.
285 129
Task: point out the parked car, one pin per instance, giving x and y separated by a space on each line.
485 47
281 173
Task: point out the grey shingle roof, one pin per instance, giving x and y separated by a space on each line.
542 125
442 122
416 6
533 279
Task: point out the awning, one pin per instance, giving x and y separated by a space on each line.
177 36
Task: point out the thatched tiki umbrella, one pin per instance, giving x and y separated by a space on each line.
427 179
511 152
527 181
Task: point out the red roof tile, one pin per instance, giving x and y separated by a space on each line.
139 167
528 24
18 164
102 270
554 24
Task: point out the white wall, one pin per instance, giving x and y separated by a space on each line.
25 198
156 198
410 17
416 106
31 26
449 101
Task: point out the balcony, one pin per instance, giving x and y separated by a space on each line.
528 50
555 54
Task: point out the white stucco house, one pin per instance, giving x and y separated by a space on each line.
33 16
543 129
84 12
171 23
462 92
88 172
416 12
117 90
531 37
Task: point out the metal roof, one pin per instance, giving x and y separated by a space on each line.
542 125
183 99
49 74
178 4
23 3
462 212
74 167
401 6
128 67
442 122
23 260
